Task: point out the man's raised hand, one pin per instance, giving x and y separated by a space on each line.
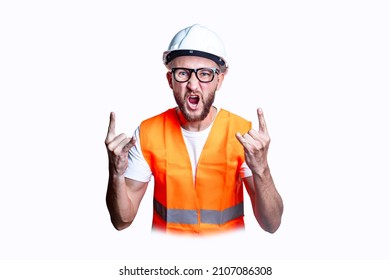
118 147
256 144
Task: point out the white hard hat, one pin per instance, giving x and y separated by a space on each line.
197 40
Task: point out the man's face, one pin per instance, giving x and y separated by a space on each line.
193 97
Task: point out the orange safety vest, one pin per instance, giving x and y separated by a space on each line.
214 202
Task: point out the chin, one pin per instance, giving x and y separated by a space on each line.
194 117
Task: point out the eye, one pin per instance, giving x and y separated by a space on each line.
182 73
205 73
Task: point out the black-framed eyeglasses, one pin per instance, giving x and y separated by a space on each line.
204 75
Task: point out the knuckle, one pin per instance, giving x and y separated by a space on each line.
110 147
121 137
117 151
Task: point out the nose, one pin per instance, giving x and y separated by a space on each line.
193 82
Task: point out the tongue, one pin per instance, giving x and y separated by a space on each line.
194 100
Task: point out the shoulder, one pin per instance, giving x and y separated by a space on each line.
159 118
233 117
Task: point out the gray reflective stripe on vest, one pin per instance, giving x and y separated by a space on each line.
222 217
191 216
176 215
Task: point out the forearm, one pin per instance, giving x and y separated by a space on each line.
118 202
268 205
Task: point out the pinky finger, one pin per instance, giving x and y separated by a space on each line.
129 144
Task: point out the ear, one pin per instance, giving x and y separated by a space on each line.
169 78
220 80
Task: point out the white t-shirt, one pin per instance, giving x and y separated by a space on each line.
139 170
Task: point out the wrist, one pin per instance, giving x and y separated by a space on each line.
262 172
117 171
263 177
116 178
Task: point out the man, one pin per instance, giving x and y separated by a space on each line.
199 155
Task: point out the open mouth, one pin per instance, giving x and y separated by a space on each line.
193 101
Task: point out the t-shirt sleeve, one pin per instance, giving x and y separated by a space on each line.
245 171
138 169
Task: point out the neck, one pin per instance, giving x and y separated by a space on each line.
197 125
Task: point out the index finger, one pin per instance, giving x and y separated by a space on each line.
111 126
262 124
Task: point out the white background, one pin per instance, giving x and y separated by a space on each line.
319 69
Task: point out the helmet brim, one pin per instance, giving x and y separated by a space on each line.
168 56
